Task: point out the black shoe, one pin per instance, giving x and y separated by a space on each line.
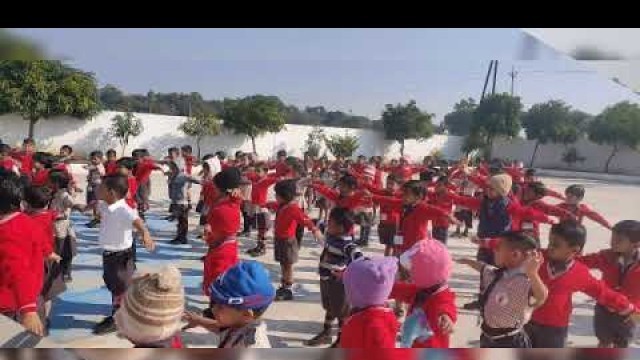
67 278
179 241
474 305
257 251
106 326
284 294
324 338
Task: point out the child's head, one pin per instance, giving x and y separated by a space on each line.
42 160
227 180
66 150
37 197
394 162
281 155
242 294
286 191
441 185
126 166
368 281
221 155
412 192
393 183
341 222
513 249
59 180
362 159
186 150
28 145
404 160
534 191
428 262
5 150
625 237
96 157
152 308
11 192
136 154
530 175
566 240
262 169
574 194
499 186
173 152
347 184
174 170
113 188
112 155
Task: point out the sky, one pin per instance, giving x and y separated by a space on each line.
351 70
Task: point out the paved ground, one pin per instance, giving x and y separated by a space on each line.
289 323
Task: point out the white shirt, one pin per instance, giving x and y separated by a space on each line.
116 225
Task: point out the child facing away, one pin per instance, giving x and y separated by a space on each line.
432 303
118 220
96 171
239 298
512 289
151 312
564 276
20 283
370 324
261 182
574 195
340 249
286 247
178 183
389 214
620 268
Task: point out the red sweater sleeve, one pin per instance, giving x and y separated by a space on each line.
430 211
528 213
552 210
555 194
403 292
15 267
387 201
466 201
598 290
302 218
592 261
330 194
593 215
448 305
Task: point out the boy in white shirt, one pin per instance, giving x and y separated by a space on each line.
116 239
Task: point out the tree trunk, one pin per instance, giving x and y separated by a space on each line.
253 144
32 126
613 153
401 147
489 150
124 147
198 139
533 156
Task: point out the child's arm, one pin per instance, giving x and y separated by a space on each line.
554 194
447 313
466 201
148 243
605 296
387 200
195 320
328 193
552 210
539 290
476 265
592 261
595 216
302 218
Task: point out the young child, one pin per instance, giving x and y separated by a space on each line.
150 315
462 213
532 194
574 196
25 157
549 325
126 165
512 289
389 214
173 155
339 251
19 282
6 161
620 270
42 164
111 165
186 152
440 198
207 189
368 284
286 246
96 172
118 220
178 194
144 167
261 182
239 297
431 301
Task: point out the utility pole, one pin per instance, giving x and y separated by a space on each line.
513 75
495 74
486 80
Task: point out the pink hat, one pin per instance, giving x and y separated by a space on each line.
428 262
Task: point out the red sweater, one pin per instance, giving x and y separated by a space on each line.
607 262
389 214
288 216
131 194
224 219
143 171
581 211
40 177
557 310
351 202
45 219
209 193
442 302
189 160
26 162
373 328
260 187
110 168
532 221
7 164
444 202
20 283
414 224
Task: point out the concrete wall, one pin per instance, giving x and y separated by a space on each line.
161 132
549 156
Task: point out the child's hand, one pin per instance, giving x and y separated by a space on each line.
445 324
54 258
148 242
31 321
337 273
192 319
317 234
454 220
533 263
463 261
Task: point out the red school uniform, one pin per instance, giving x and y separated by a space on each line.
110 168
189 160
145 167
375 327
26 162
288 216
21 263
224 221
8 164
260 187
40 177
533 221
444 202
350 202
442 302
131 194
622 280
389 214
556 311
581 211
45 220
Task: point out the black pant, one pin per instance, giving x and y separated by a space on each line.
546 336
299 234
612 328
441 234
181 212
519 340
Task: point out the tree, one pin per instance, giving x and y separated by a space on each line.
496 116
16 48
403 122
124 127
254 116
458 122
572 156
199 126
45 88
342 146
552 121
618 126
313 144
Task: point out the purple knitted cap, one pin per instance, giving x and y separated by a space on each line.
368 281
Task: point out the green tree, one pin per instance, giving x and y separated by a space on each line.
496 116
342 146
313 144
403 122
199 126
43 89
254 116
13 47
618 126
124 127
458 122
552 121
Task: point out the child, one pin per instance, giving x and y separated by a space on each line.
178 194
512 290
118 220
239 297
389 214
440 198
339 250
620 271
37 201
368 284
144 167
111 166
462 213
186 151
96 172
261 182
574 195
173 154
19 283
429 265
564 276
6 161
531 195
150 315
126 165
207 190
286 247
25 157
42 164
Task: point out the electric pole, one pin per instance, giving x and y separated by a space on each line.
513 75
